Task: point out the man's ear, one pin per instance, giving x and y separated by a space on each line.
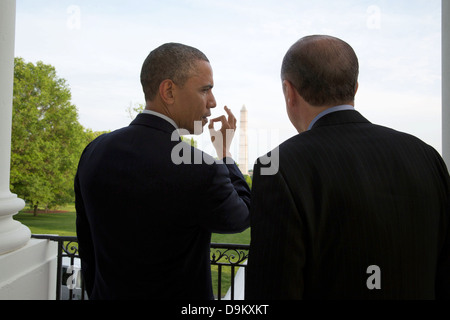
289 93
166 89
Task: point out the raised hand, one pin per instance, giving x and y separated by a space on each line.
222 138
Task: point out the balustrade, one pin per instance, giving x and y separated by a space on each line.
69 284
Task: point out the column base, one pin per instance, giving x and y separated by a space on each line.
15 239
13 234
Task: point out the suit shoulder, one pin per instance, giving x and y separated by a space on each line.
404 137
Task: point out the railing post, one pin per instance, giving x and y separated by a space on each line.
219 282
232 282
59 270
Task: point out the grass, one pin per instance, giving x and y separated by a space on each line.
59 223
63 223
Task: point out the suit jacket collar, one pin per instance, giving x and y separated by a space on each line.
158 123
340 117
153 121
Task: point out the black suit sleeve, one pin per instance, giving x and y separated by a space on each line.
85 245
277 250
227 199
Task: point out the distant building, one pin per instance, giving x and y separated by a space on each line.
243 142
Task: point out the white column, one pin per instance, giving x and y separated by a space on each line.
446 81
13 234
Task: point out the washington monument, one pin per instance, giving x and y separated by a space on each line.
243 144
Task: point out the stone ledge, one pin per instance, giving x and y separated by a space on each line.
30 272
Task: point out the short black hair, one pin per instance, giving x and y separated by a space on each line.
174 61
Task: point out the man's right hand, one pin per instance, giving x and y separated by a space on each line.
222 138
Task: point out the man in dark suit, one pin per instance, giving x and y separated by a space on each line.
147 202
355 210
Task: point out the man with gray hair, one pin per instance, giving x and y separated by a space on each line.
356 210
144 219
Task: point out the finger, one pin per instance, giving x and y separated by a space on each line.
212 121
218 119
221 118
231 117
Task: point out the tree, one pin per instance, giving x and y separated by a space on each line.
134 110
47 139
249 180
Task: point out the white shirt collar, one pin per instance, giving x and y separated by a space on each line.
161 116
330 110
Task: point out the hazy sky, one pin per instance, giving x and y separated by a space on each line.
98 47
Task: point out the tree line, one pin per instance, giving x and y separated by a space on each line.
47 138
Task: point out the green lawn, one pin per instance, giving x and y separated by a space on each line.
61 223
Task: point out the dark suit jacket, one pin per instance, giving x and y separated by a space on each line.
144 223
350 195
